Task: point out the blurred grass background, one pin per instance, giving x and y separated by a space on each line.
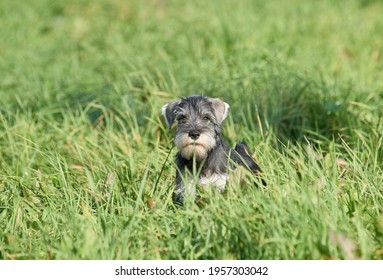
86 163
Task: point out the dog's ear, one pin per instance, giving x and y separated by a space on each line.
221 109
169 112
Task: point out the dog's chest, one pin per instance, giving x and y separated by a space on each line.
215 179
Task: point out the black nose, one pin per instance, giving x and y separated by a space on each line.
194 134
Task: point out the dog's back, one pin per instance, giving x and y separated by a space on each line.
242 156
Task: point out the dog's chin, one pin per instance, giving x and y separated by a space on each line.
196 151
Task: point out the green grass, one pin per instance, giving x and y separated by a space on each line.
86 162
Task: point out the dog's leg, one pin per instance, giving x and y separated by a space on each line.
185 187
179 192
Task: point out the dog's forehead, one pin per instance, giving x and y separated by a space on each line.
196 104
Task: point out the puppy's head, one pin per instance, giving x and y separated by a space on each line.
198 121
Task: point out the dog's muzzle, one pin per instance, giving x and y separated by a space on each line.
194 134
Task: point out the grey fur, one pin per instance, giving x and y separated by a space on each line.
199 142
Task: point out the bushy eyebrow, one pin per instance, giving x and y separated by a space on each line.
180 116
204 111
209 115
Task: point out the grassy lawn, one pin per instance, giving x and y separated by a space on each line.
86 160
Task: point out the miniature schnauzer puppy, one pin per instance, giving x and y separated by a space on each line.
201 149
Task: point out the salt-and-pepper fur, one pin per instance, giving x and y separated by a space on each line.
201 149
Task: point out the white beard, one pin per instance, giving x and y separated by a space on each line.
190 148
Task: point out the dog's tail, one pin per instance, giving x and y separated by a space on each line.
247 160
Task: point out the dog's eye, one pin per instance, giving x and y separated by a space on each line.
181 119
206 119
